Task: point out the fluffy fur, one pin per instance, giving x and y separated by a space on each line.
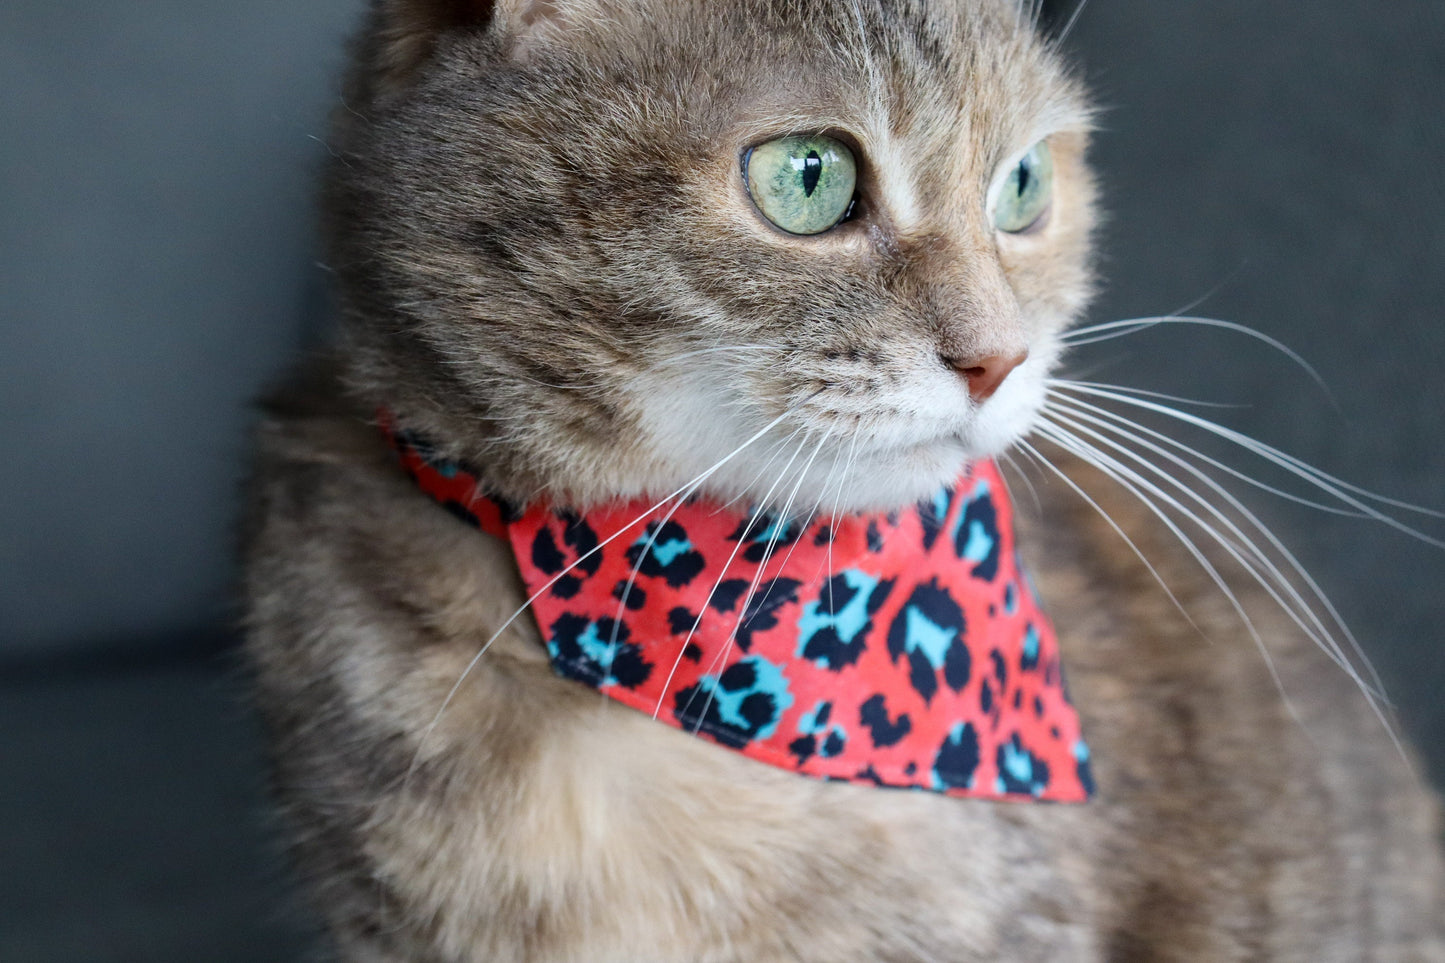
549 266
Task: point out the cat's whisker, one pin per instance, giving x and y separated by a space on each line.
677 358
1277 580
777 449
757 513
1039 457
1157 395
782 523
1212 462
1117 329
1342 491
1132 482
1069 26
683 491
812 512
1006 461
1137 486
1136 433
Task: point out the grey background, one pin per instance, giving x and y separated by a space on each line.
156 266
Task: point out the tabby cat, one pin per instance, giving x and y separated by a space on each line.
795 259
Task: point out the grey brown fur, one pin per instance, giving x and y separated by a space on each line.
538 231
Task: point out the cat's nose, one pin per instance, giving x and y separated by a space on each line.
984 375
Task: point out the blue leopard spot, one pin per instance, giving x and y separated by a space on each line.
598 653
666 551
744 703
1085 770
833 629
976 536
1029 657
1020 772
818 736
929 632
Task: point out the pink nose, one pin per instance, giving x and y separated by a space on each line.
984 375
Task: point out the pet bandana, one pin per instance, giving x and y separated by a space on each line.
903 649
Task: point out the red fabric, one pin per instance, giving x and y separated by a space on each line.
905 649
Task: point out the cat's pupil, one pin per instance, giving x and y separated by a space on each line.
812 171
1023 178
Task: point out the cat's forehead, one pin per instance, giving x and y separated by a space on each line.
947 89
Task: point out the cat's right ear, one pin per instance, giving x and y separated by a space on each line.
405 33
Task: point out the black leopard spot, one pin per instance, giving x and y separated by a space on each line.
742 704
760 614
460 511
545 553
884 730
957 758
680 621
583 541
727 593
834 628
666 551
875 537
631 596
803 748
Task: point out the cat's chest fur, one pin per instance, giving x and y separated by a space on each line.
539 820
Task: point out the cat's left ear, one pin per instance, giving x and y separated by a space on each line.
406 31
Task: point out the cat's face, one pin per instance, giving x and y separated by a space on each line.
558 234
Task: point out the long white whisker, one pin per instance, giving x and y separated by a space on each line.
1073 19
1130 479
1014 467
1341 490
753 518
1132 482
1118 530
1135 325
1316 631
1080 404
1126 428
778 530
690 486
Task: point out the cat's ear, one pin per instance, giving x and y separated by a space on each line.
406 32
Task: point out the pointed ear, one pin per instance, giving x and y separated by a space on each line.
404 33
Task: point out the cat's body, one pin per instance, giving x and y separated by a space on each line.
545 322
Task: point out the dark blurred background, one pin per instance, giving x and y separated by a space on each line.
157 265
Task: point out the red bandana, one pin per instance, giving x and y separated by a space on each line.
905 649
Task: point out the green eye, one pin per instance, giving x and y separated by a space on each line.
1026 194
804 185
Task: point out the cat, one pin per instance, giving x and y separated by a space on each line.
809 257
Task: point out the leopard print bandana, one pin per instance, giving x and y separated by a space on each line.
905 649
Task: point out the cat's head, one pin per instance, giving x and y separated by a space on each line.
596 247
